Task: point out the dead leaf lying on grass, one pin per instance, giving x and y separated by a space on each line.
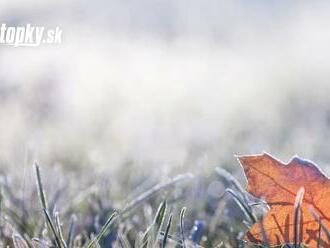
290 219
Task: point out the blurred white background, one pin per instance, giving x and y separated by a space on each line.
181 84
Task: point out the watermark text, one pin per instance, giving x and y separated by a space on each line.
29 35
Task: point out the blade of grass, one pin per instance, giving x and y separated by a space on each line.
176 240
104 229
59 229
297 216
71 231
42 195
43 201
153 230
167 230
52 227
160 215
154 190
319 220
246 210
225 175
183 210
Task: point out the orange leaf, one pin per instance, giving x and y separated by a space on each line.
278 183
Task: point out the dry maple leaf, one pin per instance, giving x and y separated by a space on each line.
278 183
